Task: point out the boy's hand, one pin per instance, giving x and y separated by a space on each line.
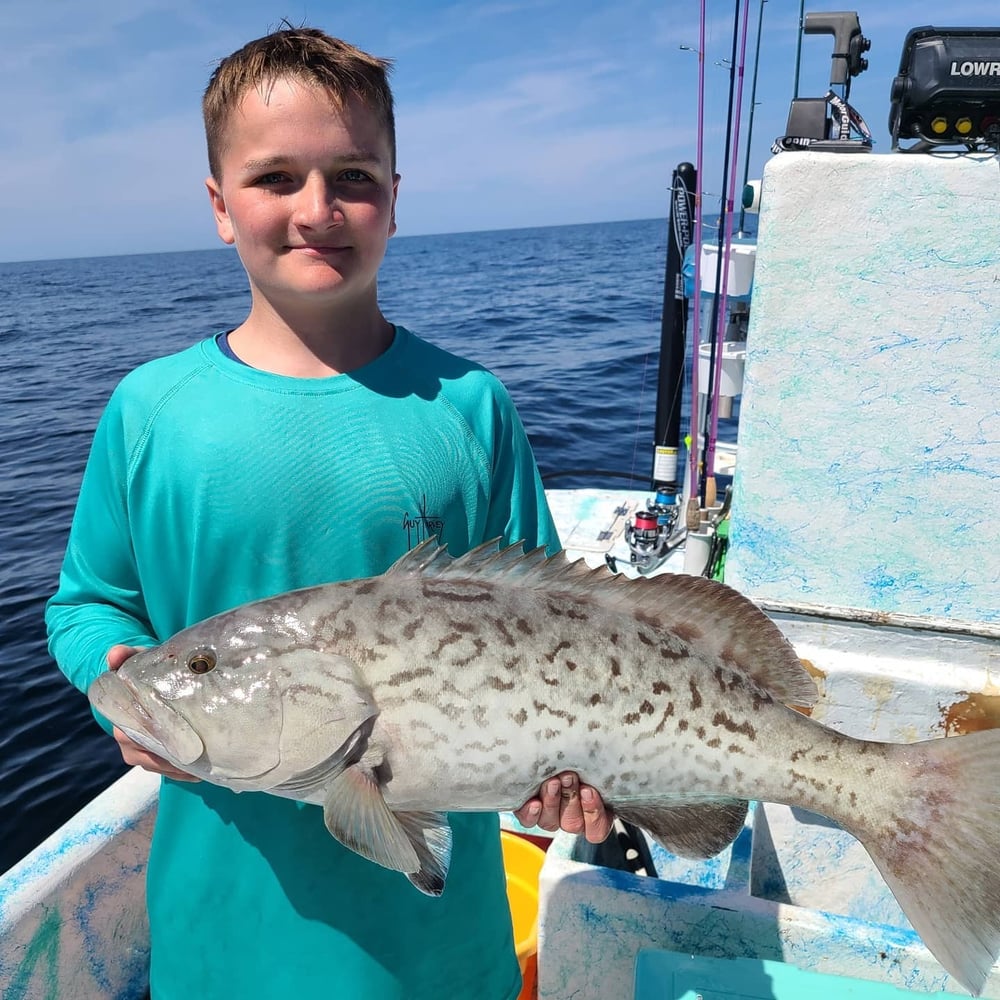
564 804
132 753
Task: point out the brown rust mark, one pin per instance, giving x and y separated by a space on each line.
974 713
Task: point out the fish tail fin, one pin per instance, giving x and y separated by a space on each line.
938 848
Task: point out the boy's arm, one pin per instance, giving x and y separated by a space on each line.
99 601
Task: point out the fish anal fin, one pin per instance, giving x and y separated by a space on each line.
697 830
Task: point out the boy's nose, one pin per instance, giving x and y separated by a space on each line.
317 204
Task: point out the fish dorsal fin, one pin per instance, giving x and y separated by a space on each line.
719 622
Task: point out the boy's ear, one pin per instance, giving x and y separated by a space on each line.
395 193
222 223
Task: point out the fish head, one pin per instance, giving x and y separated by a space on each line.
235 701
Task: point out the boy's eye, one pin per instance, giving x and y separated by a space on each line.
272 178
354 175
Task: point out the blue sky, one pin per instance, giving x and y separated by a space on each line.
510 113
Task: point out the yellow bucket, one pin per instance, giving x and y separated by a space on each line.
523 862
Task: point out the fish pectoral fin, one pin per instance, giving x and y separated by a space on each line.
418 844
694 829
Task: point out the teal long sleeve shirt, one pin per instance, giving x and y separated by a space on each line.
211 484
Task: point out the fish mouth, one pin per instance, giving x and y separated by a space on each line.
145 718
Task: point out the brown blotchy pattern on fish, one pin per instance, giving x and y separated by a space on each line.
411 629
726 721
460 593
687 631
480 645
559 713
551 657
505 633
406 676
695 695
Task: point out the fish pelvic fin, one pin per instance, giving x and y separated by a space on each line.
430 835
694 830
938 852
720 623
418 844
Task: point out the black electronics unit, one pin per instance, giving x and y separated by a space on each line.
948 88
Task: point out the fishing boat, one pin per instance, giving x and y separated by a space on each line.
862 519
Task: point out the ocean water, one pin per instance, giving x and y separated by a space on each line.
567 316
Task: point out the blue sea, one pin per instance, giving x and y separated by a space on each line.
567 316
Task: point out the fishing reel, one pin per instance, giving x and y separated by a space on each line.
648 536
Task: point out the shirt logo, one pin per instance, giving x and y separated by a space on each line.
421 526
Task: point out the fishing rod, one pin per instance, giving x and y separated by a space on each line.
673 327
692 516
725 243
753 106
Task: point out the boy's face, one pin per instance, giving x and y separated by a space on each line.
307 194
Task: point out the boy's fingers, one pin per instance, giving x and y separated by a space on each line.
570 809
136 756
551 796
597 818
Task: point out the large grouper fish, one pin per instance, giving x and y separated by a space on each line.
450 685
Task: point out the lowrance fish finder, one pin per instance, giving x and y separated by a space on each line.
947 92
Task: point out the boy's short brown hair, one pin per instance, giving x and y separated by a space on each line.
306 54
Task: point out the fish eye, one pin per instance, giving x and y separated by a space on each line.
201 662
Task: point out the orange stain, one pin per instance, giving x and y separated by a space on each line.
817 675
974 713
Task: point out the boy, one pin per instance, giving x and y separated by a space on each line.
291 451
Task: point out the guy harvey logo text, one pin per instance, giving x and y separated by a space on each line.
421 525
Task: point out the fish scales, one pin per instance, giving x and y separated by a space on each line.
604 694
459 685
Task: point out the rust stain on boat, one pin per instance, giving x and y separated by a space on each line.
974 713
